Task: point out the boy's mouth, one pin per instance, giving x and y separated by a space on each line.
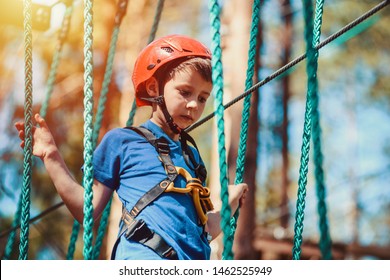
188 118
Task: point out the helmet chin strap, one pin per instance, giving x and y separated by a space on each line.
160 101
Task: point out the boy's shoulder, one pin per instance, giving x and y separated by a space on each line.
120 134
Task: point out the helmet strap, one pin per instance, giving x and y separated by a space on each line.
160 101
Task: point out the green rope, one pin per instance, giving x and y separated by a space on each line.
152 35
311 69
294 62
73 240
27 163
11 238
245 117
325 241
102 230
56 59
217 77
121 11
156 21
88 129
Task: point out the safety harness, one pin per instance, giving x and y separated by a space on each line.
136 229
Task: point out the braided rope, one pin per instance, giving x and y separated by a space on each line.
240 163
11 238
73 240
152 35
27 163
102 230
121 11
325 241
56 59
294 62
311 69
88 129
217 77
277 73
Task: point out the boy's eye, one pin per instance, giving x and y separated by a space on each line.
202 100
185 93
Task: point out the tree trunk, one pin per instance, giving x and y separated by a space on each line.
287 42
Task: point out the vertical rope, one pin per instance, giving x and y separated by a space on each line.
240 163
156 21
11 238
325 240
217 77
28 125
88 129
121 11
73 240
56 59
152 35
311 69
102 230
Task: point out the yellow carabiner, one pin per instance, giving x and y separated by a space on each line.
200 195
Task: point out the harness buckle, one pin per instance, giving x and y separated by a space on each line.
162 146
138 231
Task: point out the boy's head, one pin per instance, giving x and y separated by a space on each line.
164 57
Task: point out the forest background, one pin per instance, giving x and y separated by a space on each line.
354 90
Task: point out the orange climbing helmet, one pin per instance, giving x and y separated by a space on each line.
160 52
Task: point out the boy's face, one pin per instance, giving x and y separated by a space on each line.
185 97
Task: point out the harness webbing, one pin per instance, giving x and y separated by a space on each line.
136 229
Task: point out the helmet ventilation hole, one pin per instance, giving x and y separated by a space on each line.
167 49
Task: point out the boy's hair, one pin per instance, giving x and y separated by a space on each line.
199 64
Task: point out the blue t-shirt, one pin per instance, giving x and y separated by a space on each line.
124 161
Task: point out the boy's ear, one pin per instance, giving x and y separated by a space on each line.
152 87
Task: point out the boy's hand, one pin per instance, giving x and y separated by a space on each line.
43 142
237 194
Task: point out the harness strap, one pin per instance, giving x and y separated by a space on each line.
138 231
200 170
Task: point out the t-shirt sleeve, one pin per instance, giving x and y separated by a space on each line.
107 159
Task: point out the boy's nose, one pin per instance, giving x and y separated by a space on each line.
192 104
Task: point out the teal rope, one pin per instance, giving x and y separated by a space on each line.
311 69
121 11
217 77
73 240
88 130
325 243
156 21
240 163
56 59
152 35
102 230
11 238
27 163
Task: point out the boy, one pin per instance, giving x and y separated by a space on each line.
158 176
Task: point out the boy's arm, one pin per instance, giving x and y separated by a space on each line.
236 198
71 192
